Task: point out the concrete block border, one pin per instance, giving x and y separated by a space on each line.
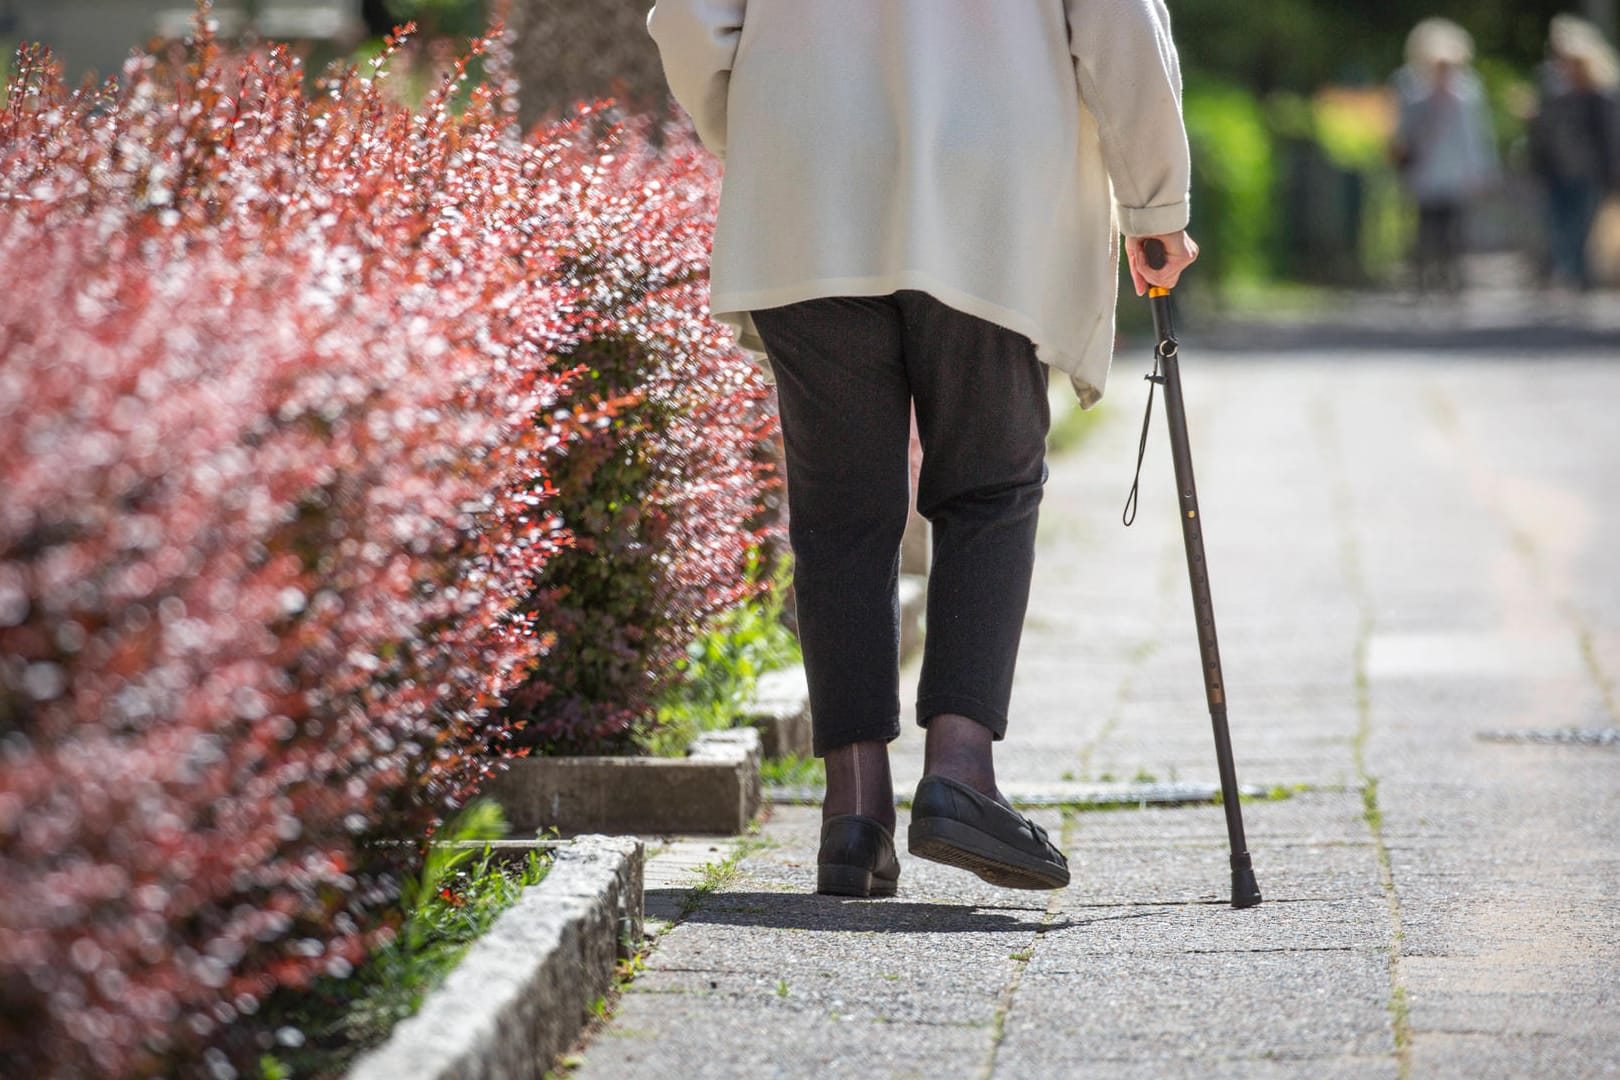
523 993
780 712
715 789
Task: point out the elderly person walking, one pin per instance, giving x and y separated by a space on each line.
1443 145
1575 141
921 208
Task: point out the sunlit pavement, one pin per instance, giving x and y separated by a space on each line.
1414 569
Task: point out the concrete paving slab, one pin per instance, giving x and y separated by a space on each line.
658 1036
1165 1067
1444 1054
1195 1006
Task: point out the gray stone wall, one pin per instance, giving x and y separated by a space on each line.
97 35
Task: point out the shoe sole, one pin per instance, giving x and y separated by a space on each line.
947 841
835 880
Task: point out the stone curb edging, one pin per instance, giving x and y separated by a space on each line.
715 789
523 992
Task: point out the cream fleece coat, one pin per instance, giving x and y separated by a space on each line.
987 152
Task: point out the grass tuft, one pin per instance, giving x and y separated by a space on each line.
456 896
794 770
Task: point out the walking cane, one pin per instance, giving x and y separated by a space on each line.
1166 372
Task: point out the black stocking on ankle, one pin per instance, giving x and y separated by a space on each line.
961 749
858 782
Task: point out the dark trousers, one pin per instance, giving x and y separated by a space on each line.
1439 246
848 370
1572 209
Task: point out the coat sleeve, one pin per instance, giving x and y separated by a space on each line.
697 41
1130 80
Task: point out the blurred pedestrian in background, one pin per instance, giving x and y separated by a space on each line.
1443 145
1575 142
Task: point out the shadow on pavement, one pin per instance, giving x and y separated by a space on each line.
797 911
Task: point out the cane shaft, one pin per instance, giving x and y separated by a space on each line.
1245 892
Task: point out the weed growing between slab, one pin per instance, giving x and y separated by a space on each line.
715 876
1372 813
456 897
603 1009
1021 959
1275 793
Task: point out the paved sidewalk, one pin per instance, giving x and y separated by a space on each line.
1408 553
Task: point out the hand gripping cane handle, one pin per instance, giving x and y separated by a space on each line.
1159 296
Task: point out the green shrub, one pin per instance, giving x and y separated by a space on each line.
1512 98
723 665
663 500
658 502
1233 176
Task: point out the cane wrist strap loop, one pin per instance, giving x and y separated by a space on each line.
1132 500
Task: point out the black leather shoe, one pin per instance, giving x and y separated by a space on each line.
857 858
955 825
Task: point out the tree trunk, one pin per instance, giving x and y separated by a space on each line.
379 21
572 51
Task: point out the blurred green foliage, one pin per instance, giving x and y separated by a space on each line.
1300 184
1290 185
1233 177
1301 44
1352 131
1511 92
455 18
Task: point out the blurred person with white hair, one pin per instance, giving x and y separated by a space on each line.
1575 141
1443 145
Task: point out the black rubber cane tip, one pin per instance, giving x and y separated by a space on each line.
1245 889
1156 255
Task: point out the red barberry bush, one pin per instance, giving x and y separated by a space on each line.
663 502
287 384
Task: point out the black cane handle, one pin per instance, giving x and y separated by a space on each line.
1154 252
